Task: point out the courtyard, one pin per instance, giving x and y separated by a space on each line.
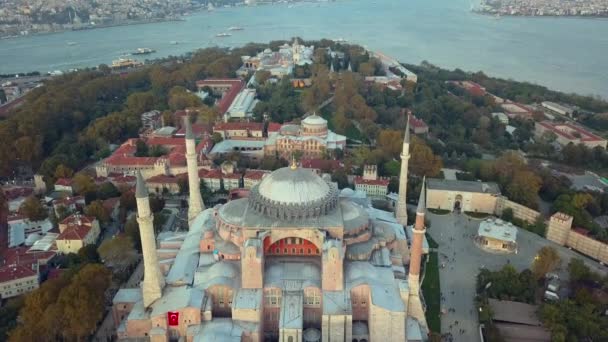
460 260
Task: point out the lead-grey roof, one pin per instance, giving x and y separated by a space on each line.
127 296
176 298
422 199
463 186
189 134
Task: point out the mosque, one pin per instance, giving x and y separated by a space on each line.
296 261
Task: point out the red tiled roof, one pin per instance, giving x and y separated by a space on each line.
585 135
75 218
74 233
233 126
379 181
123 179
133 161
20 256
162 179
16 192
255 174
13 272
274 127
64 182
214 173
231 176
322 164
235 87
165 141
417 123
197 130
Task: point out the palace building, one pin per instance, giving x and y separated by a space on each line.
297 260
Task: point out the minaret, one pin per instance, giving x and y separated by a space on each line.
401 211
195 205
154 281
414 304
350 67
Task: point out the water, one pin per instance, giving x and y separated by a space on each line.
561 53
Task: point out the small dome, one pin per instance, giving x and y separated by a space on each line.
314 120
292 186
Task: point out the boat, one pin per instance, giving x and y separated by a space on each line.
235 28
143 51
124 63
71 43
223 34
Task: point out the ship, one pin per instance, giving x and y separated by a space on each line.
71 43
223 34
124 63
235 28
143 51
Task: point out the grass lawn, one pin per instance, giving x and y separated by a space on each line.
477 215
432 293
438 211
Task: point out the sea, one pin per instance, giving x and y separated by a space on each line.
567 54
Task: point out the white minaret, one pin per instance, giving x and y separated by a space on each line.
401 211
195 205
154 281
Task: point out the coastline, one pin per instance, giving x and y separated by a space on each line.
87 28
549 16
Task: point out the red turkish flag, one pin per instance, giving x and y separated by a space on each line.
173 318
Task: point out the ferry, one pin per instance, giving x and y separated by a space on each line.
174 42
235 28
71 43
123 63
143 51
223 34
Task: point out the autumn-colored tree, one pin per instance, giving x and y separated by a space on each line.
320 89
180 98
423 162
546 260
118 252
261 76
33 209
97 210
390 141
83 183
207 115
82 302
63 171
523 188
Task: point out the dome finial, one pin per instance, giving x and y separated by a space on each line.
294 165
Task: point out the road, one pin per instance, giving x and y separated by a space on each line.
462 258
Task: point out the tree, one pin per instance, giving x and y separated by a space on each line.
390 142
546 260
83 184
261 76
88 254
141 148
132 231
118 252
423 162
216 137
107 190
339 176
63 171
33 209
97 210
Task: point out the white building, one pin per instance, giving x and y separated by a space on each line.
16 280
242 106
557 108
19 228
502 117
497 235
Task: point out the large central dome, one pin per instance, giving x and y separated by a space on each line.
288 185
293 193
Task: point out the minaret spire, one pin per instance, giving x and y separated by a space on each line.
401 211
195 202
414 303
154 281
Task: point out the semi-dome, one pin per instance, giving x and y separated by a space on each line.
293 193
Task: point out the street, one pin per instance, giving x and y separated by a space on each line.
454 233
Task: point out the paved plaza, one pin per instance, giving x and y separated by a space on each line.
462 258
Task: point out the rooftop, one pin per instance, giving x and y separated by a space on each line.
514 312
13 272
498 229
570 131
464 186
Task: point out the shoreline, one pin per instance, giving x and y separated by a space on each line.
87 28
501 15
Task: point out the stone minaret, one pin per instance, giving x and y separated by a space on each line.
401 211
195 205
414 304
154 281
